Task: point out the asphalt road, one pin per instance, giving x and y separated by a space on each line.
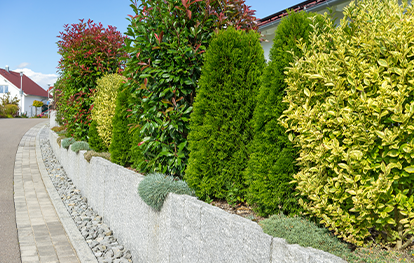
11 132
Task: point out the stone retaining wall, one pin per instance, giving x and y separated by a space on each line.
185 230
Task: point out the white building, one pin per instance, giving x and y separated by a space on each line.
12 82
268 25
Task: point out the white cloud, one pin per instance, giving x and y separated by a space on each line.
41 79
23 65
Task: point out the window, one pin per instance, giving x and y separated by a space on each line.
4 88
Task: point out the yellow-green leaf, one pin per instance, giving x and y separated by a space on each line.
383 63
409 169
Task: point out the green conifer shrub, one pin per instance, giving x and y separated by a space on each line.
155 187
104 103
120 147
351 113
223 108
94 140
166 48
272 160
67 142
80 146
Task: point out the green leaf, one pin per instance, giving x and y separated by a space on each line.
307 92
409 169
383 63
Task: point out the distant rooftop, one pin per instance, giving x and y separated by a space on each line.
301 6
29 86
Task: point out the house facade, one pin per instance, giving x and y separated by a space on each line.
12 82
268 25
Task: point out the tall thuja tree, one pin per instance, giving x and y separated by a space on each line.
88 50
167 39
272 160
223 109
120 147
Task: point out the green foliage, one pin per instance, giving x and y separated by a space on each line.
94 140
350 113
220 123
104 102
120 147
136 153
37 103
80 146
7 99
272 157
11 109
166 46
66 142
89 154
297 230
88 51
155 187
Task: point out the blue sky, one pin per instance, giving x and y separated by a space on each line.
29 29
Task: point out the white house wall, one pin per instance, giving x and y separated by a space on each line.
28 102
27 99
14 91
268 30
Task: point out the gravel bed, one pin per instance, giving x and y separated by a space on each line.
98 235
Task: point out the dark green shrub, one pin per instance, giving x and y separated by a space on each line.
272 160
223 108
89 154
80 146
94 140
67 142
120 147
155 187
137 157
297 230
166 46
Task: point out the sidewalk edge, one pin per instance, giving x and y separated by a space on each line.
83 251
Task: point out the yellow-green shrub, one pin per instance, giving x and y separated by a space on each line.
351 112
104 104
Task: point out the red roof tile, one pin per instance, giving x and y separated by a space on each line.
29 86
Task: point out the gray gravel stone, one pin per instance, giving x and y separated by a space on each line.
98 235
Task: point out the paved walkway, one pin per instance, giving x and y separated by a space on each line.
11 132
41 235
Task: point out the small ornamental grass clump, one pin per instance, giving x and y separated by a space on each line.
67 142
80 146
297 230
58 129
155 187
59 139
89 154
